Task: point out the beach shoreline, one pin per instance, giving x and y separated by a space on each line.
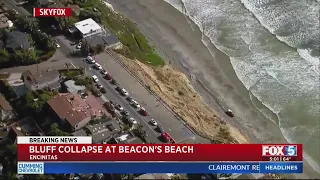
183 48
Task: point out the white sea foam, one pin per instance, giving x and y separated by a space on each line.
284 79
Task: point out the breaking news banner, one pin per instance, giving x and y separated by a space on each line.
52 12
50 154
80 149
158 167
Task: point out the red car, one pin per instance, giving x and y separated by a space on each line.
143 112
108 77
168 138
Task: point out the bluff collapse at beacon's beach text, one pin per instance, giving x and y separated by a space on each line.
49 152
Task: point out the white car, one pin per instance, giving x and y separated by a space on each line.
132 121
79 45
119 107
124 92
57 45
95 78
98 66
90 59
153 122
135 104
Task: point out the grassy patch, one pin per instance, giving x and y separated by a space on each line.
71 73
135 44
4 75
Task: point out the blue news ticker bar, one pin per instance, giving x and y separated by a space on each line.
172 167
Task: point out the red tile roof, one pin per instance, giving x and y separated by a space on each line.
74 108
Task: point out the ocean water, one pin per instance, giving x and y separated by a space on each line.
273 47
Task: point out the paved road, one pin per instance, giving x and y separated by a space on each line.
163 116
111 94
177 129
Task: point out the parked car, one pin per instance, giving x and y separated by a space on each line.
96 92
124 92
118 88
132 121
99 85
104 72
108 76
103 90
95 78
119 107
98 66
125 113
143 112
91 60
114 82
168 138
229 113
129 98
57 45
153 122
159 129
135 104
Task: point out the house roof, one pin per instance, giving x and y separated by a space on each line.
109 125
54 86
17 39
80 132
40 77
26 126
4 104
87 25
45 2
74 108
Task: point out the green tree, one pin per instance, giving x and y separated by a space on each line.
4 56
140 132
56 131
88 13
26 56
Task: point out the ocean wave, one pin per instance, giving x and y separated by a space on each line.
283 78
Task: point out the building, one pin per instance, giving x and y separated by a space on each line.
101 130
109 41
17 40
88 27
76 111
71 87
6 111
24 127
125 138
35 80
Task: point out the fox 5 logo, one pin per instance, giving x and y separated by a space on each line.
279 150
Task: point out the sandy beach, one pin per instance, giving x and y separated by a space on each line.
181 44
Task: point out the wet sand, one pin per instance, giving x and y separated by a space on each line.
214 79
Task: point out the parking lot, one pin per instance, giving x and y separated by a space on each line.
156 110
